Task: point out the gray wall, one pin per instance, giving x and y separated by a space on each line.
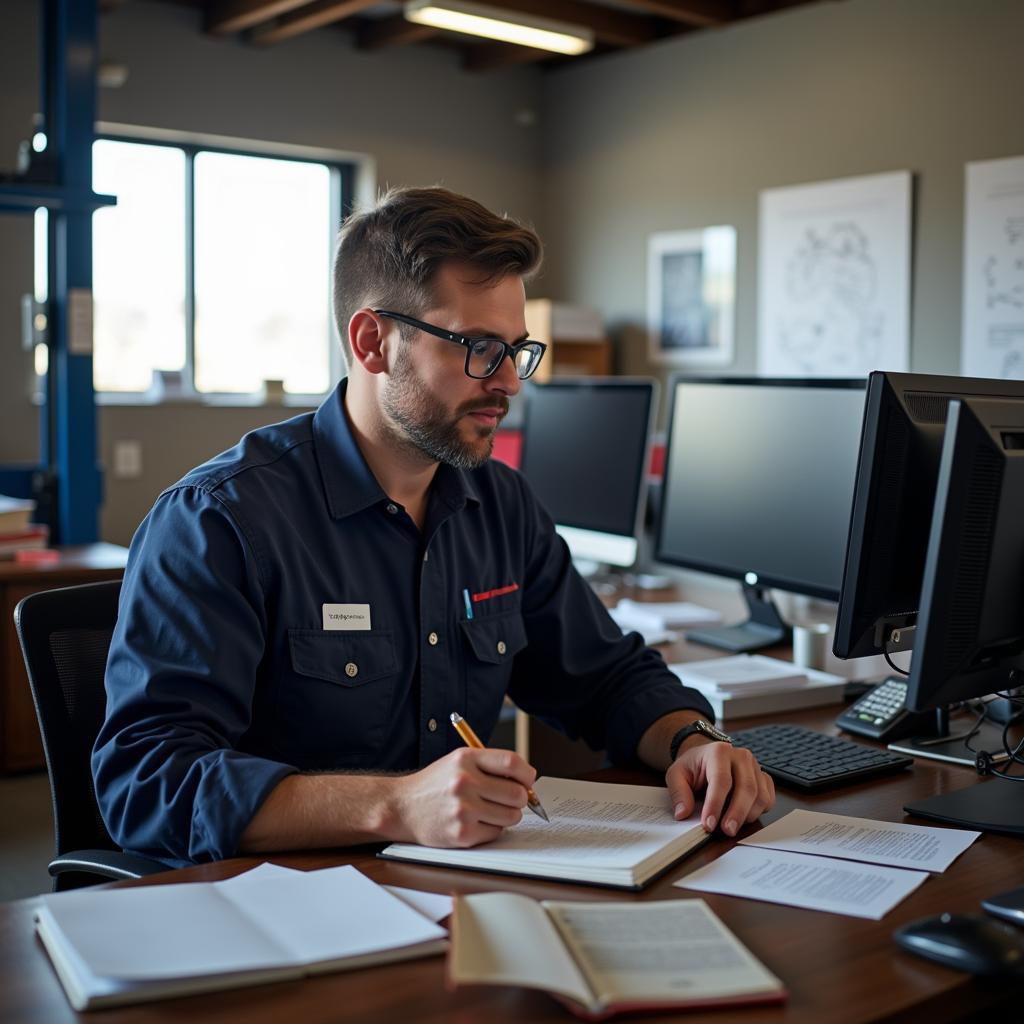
421 118
679 135
686 133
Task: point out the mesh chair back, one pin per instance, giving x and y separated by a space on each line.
65 635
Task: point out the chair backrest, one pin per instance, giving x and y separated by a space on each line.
65 635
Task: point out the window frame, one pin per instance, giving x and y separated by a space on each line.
347 172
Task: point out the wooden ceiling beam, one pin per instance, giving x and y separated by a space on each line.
395 31
608 25
224 17
701 13
306 19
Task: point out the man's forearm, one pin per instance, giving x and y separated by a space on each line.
316 811
653 748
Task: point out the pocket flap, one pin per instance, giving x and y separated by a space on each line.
496 638
348 659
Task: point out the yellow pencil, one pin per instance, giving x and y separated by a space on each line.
470 738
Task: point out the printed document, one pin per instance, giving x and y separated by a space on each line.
799 880
861 839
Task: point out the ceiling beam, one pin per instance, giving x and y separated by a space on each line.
226 16
378 33
306 19
608 25
701 13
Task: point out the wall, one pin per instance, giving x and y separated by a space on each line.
414 111
686 133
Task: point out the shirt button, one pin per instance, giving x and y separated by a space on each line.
432 639
501 647
391 507
351 670
432 725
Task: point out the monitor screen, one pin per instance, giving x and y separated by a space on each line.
584 452
759 480
904 426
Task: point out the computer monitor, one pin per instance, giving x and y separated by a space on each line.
904 425
585 452
970 630
758 485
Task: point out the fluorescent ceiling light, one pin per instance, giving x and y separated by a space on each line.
507 26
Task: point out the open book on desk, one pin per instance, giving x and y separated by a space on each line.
119 946
601 833
600 959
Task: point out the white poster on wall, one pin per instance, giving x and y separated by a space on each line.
834 277
993 324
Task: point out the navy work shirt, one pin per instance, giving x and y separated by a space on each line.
228 671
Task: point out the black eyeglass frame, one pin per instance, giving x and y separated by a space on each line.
461 339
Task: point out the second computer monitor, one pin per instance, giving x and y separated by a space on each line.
758 486
585 454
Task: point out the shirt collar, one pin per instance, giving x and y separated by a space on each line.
349 484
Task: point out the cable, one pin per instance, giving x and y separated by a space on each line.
893 665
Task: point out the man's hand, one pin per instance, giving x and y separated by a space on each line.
465 798
727 772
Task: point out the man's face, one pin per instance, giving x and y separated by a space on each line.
433 407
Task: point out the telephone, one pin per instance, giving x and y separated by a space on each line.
881 714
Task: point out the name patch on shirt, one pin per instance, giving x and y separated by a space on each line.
346 616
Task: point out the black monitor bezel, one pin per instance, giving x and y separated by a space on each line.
788 583
638 484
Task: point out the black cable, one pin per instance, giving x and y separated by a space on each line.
893 665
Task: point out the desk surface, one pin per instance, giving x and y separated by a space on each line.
837 969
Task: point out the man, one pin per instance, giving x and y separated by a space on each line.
301 614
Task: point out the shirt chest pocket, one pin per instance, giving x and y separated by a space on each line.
491 642
337 703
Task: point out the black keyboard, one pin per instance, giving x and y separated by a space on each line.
811 760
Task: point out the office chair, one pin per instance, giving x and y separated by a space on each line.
65 635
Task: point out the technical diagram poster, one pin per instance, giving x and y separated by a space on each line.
834 281
993 329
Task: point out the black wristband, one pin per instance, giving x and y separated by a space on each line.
698 728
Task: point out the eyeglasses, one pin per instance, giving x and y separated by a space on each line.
483 355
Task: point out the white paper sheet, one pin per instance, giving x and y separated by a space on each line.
813 883
834 277
918 847
993 317
431 905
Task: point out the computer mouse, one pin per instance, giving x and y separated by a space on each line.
968 942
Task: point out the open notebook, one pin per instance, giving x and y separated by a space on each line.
605 958
600 833
115 946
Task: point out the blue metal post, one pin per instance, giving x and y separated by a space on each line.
69 42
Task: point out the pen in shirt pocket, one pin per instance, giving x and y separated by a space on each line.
469 603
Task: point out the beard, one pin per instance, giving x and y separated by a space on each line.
430 428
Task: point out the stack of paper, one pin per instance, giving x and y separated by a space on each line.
656 621
804 860
752 684
117 946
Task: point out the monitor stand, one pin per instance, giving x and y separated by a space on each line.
942 745
993 805
764 628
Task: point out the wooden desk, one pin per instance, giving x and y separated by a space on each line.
839 970
20 746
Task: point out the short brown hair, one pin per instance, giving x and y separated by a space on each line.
388 256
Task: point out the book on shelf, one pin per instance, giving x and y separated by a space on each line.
15 513
599 833
118 946
600 959
29 538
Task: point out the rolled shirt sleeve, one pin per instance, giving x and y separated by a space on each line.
172 775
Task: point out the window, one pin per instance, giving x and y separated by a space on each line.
214 265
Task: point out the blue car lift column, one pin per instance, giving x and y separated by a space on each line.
61 181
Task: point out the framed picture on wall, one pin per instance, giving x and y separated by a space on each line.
691 286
